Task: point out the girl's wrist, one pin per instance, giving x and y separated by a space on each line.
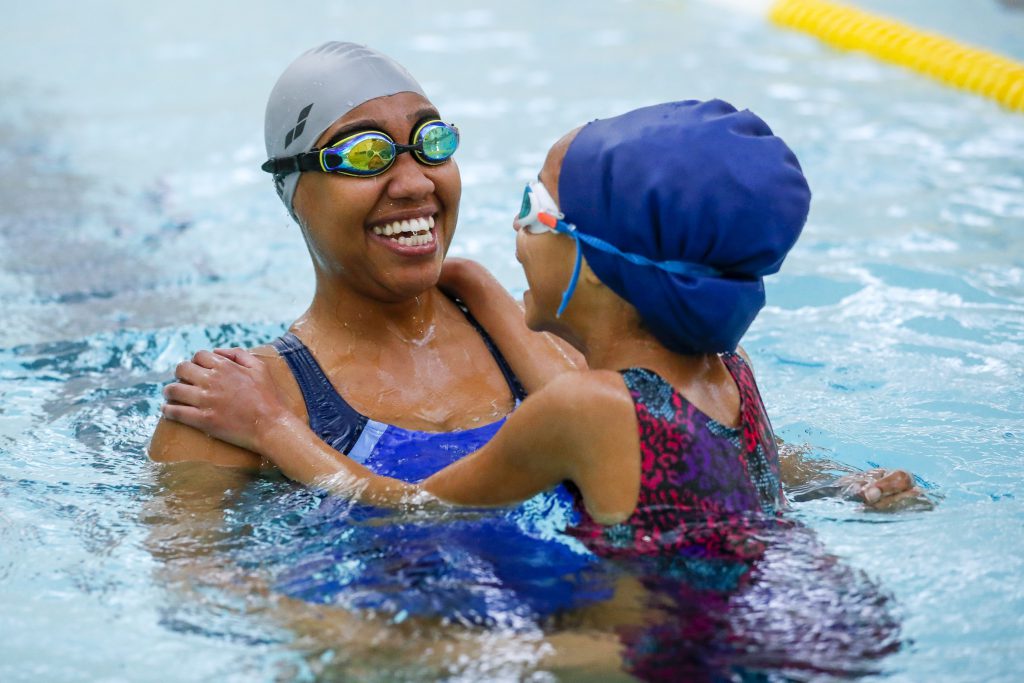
273 433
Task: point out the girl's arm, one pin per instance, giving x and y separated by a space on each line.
535 357
230 395
581 427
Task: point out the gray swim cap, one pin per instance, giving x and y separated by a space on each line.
317 89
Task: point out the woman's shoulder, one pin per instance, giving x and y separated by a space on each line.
269 354
176 442
282 375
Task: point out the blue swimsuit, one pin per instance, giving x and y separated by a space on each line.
386 449
490 567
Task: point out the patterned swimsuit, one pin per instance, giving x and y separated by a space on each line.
704 487
733 590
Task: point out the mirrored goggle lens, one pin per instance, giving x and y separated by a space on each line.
365 154
439 141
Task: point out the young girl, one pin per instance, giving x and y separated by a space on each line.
663 222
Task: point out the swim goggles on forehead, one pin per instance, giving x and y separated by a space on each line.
371 152
539 214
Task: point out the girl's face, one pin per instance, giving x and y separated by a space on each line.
347 220
547 258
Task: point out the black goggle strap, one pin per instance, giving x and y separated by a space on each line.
307 161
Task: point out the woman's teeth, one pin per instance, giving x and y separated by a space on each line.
414 232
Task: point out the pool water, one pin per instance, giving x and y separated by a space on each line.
136 228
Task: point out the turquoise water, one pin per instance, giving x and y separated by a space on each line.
136 227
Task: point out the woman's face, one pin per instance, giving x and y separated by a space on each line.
547 258
346 220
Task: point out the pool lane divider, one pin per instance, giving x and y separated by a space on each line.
956 64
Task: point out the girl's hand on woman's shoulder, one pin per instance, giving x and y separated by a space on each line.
228 394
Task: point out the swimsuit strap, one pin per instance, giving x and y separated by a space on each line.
518 393
330 416
665 410
762 455
702 483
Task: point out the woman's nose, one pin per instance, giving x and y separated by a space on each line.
407 179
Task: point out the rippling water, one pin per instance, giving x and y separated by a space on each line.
137 228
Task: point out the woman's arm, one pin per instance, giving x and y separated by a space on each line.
577 428
807 478
175 442
535 357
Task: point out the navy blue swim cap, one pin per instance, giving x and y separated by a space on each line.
692 181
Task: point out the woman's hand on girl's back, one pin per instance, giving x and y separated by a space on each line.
228 394
806 477
881 489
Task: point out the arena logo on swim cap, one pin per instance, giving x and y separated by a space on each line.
299 125
338 77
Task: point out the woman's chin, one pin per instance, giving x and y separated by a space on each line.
409 283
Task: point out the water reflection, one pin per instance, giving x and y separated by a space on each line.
308 586
351 590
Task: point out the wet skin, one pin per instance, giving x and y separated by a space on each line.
398 350
338 213
579 427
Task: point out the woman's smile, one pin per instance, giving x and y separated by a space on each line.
407 236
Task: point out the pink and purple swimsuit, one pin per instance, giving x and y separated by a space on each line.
704 487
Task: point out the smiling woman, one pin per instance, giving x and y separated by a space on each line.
382 364
369 231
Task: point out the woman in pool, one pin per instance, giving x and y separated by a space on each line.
417 376
680 210
421 382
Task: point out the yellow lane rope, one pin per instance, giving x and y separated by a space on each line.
976 70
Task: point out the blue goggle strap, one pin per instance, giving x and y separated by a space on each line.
675 267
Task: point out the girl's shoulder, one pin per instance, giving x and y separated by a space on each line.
580 404
585 388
